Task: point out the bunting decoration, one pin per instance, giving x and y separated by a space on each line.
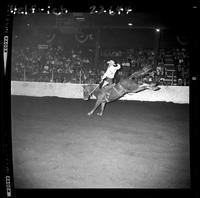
51 38
81 38
182 40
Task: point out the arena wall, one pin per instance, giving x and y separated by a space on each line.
176 94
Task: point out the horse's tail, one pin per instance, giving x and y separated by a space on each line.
136 74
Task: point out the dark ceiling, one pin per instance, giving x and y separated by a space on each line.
180 21
139 20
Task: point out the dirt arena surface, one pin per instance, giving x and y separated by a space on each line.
134 145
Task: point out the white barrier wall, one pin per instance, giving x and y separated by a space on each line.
176 94
65 90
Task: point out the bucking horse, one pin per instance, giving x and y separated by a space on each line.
115 91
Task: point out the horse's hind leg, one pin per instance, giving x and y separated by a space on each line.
102 109
95 107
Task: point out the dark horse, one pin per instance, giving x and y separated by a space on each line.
113 92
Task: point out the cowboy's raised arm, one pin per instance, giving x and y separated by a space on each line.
118 66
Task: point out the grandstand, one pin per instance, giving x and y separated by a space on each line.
65 49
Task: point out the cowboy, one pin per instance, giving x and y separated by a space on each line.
107 78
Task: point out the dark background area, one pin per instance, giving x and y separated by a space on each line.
114 30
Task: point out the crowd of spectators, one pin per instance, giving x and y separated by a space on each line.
131 60
55 64
136 59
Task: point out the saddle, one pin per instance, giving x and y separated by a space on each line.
109 86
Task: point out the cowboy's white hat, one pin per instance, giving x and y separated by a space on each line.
111 62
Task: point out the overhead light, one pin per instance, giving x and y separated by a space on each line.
194 7
128 10
130 24
157 30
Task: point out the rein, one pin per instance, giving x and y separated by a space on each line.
94 89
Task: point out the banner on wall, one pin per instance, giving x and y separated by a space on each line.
43 46
183 40
51 38
81 38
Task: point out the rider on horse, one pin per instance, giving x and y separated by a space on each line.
107 78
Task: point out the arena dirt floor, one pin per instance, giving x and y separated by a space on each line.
134 145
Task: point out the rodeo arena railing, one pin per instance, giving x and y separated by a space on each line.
55 65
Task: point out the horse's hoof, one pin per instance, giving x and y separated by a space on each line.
99 114
89 113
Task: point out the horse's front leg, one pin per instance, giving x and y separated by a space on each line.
102 109
95 107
